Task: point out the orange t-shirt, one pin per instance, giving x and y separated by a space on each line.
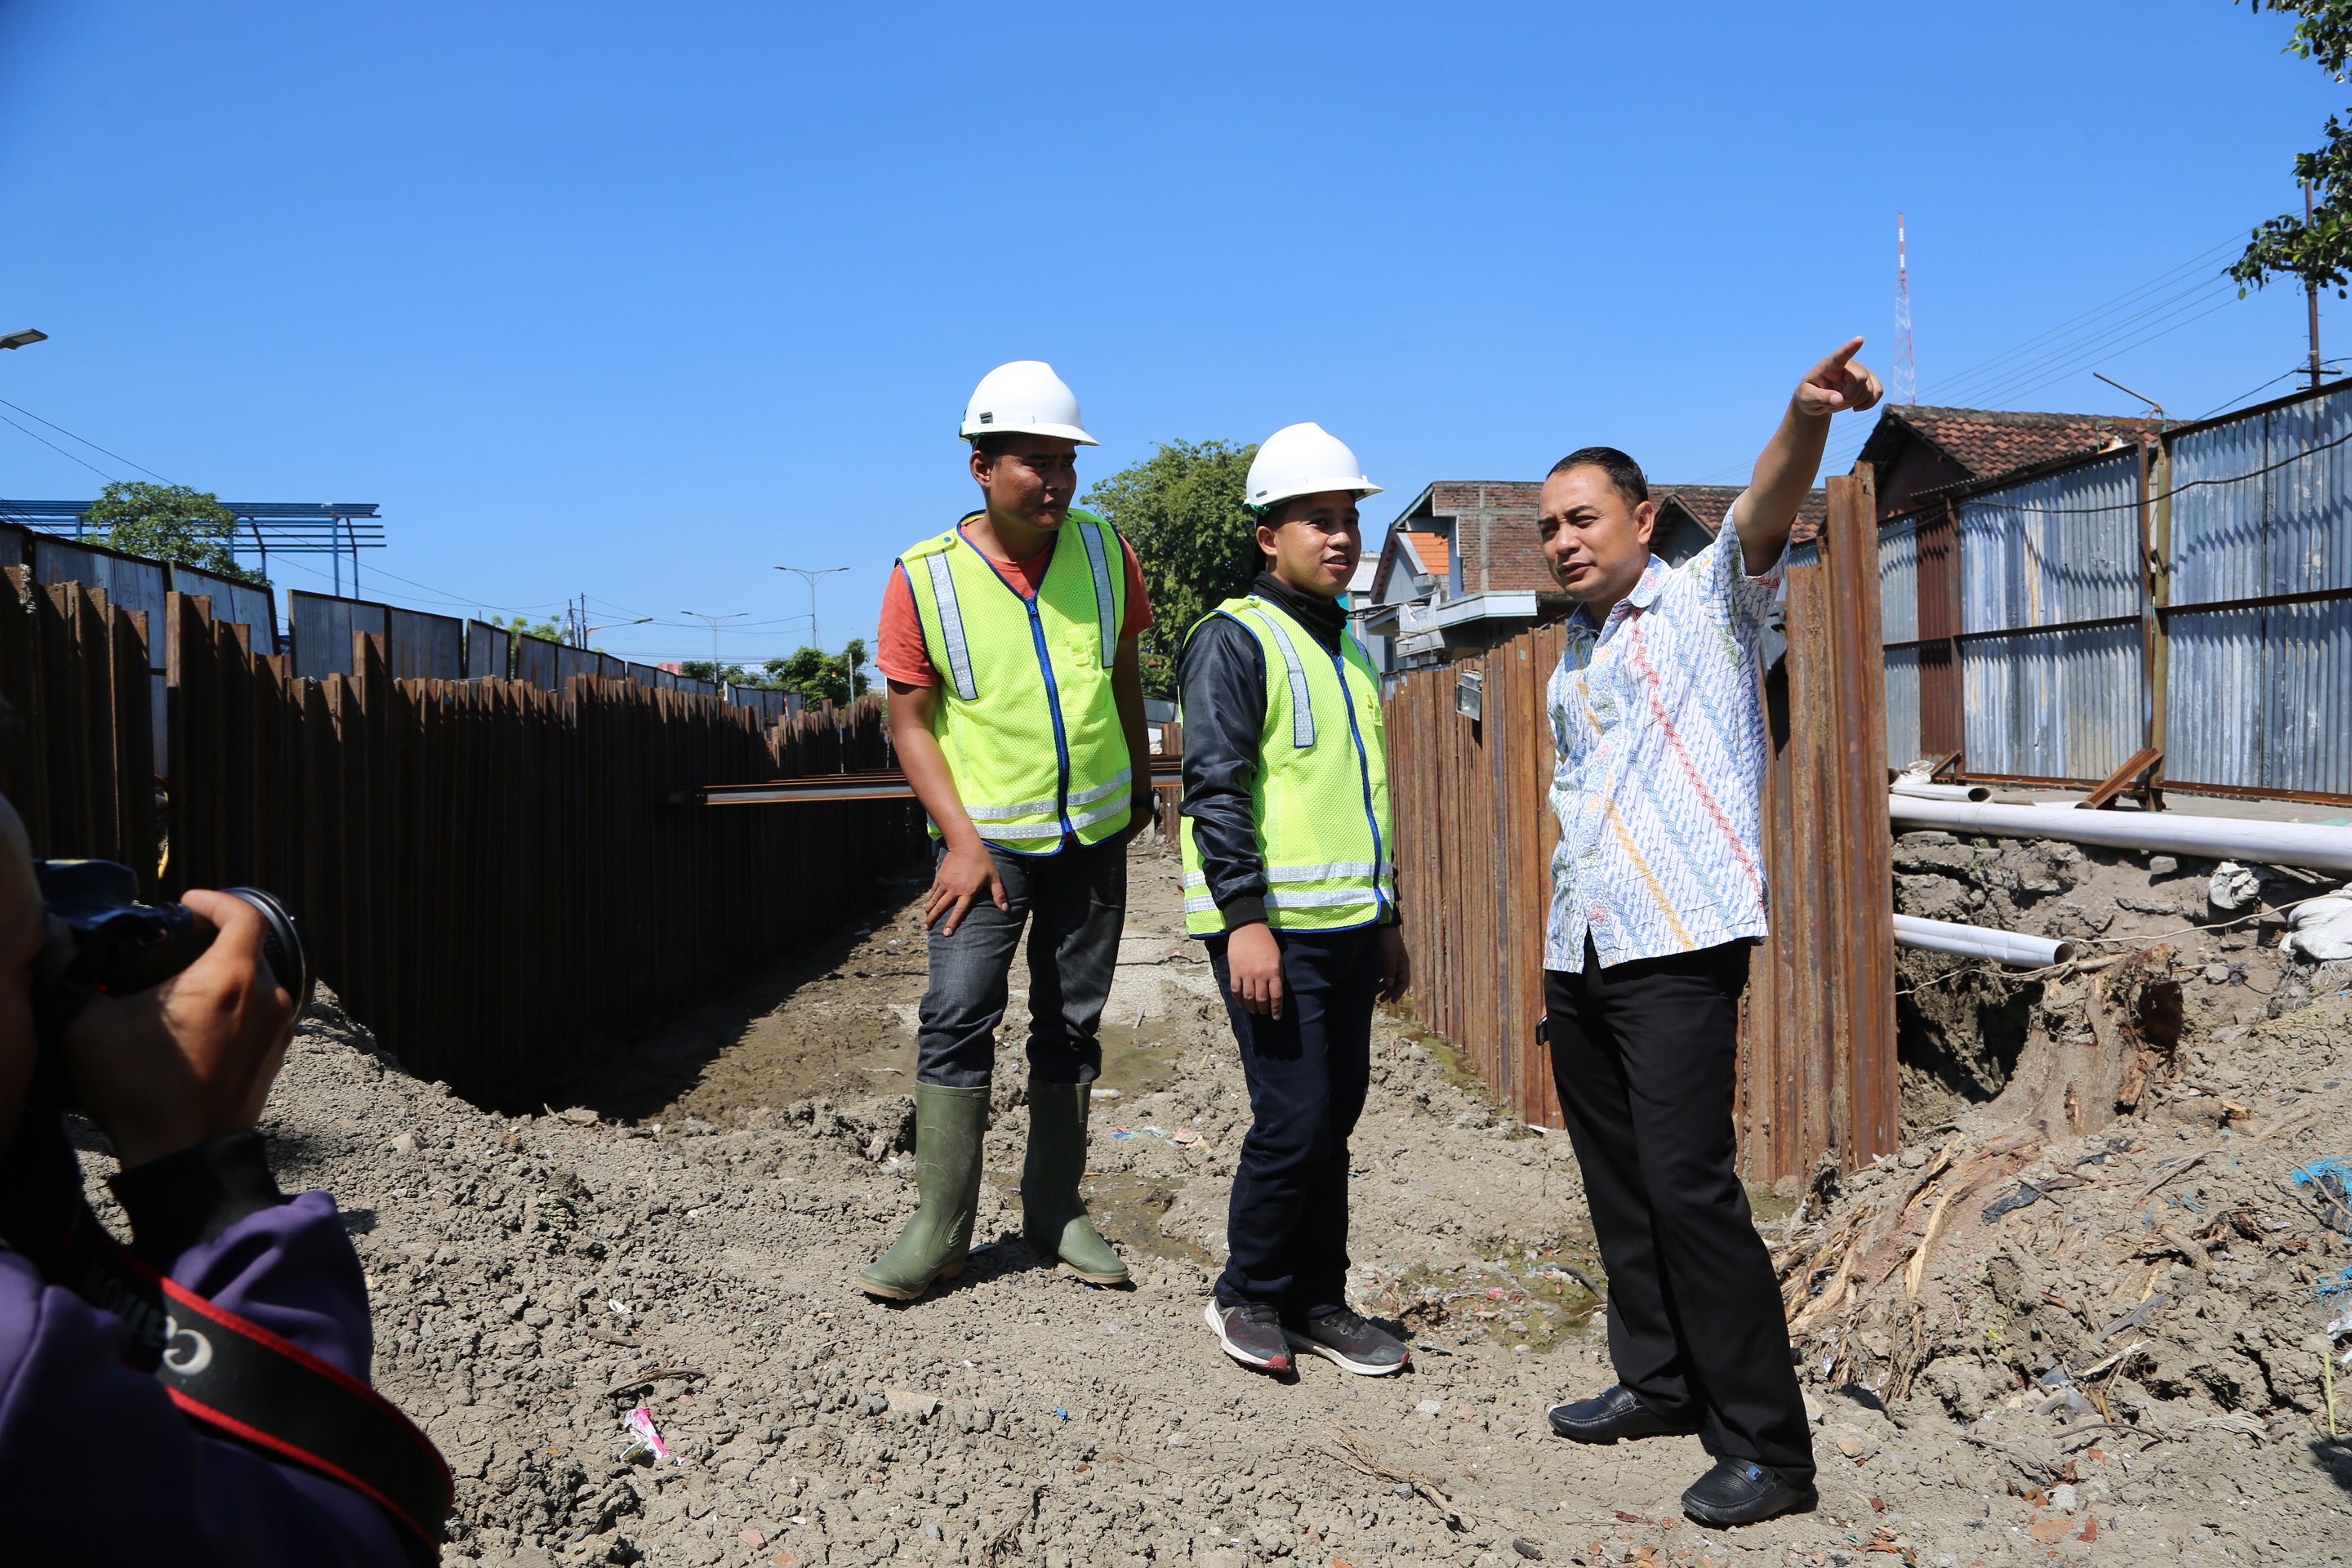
900 653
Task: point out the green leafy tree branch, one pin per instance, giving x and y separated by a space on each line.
1181 508
2317 251
819 677
170 522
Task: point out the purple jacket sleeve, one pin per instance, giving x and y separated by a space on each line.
97 1465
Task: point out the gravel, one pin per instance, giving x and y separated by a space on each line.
683 1235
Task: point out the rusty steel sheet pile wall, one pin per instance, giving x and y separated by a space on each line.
1475 837
490 873
1817 1066
1475 833
79 768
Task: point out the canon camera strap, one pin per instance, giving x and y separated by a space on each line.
223 1371
228 1373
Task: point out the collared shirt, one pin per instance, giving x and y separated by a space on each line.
1658 719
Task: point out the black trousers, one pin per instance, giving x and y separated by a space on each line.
1308 1071
1644 1055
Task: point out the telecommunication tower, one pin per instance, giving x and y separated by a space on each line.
1906 376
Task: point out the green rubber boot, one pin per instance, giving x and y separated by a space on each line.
1052 1215
948 1125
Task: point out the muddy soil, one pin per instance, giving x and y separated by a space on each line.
1963 1025
684 1236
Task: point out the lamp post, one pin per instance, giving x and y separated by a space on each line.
814 636
25 339
714 621
608 625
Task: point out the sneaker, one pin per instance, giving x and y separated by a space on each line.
1250 1332
1348 1340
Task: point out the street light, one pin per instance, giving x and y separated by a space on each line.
814 636
608 625
24 339
714 621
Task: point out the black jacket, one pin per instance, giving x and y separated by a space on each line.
1223 677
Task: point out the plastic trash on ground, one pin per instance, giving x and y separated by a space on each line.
641 1422
2234 887
2329 1181
2321 929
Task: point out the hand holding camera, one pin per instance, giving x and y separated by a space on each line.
173 1019
191 1059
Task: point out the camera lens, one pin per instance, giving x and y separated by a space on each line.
283 945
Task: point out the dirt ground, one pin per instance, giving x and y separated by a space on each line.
682 1236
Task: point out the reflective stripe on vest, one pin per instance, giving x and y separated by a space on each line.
951 627
1319 795
1026 717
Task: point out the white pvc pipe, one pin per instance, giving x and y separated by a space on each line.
2321 848
1981 942
1940 792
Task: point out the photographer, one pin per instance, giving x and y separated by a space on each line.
102 1462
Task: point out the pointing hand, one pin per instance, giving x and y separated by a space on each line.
1838 384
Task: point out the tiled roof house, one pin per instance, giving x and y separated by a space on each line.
1915 448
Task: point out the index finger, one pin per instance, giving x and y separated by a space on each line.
1852 347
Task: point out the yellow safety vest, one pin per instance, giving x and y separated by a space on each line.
1320 799
1027 719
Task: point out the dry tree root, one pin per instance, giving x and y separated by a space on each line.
1358 1454
1837 1282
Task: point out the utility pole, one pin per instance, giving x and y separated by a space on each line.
2311 294
714 621
1907 375
816 636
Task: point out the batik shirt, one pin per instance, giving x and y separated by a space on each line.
1658 719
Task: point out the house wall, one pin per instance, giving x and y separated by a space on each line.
1920 467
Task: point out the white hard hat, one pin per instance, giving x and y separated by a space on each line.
1024 398
1304 460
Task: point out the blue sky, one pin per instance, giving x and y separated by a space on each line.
642 302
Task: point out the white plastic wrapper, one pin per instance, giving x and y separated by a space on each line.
2234 887
2322 929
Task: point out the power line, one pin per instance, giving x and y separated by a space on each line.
2102 343
84 440
2282 375
2162 280
53 447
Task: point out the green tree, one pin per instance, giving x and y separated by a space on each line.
724 675
820 677
1182 511
170 522
523 627
2317 252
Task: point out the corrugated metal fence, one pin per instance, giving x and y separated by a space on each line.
2192 595
1475 837
490 873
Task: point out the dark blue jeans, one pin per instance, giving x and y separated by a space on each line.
1308 1071
1075 904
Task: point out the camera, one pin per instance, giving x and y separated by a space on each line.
123 946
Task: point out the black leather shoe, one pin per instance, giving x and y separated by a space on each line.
1612 1413
1739 1492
